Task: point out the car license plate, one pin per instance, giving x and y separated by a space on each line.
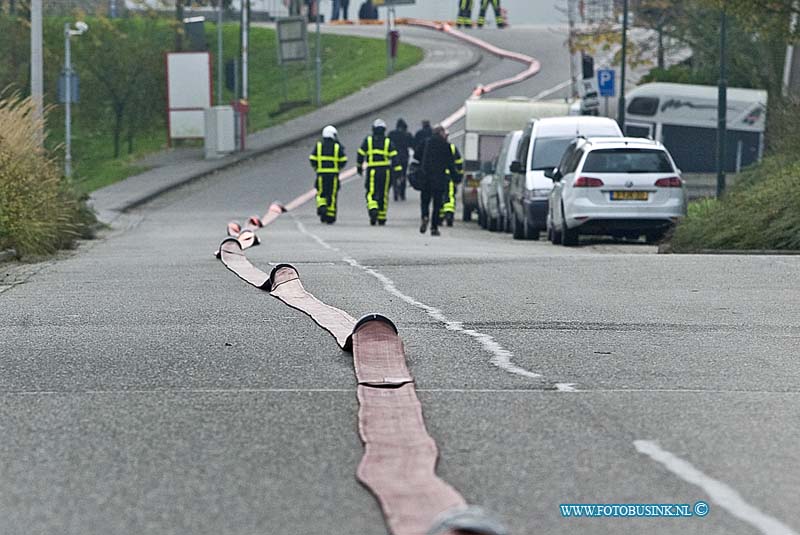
628 195
473 183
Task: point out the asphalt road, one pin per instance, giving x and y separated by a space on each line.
148 390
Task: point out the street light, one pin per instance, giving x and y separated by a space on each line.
80 28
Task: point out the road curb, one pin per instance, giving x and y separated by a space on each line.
108 214
734 252
8 255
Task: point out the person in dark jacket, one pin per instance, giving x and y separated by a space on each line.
422 135
327 159
380 157
367 11
402 141
438 165
340 5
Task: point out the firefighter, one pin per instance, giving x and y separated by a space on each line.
437 169
498 15
327 159
402 141
464 14
448 210
382 165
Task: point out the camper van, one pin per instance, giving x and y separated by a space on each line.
487 122
684 118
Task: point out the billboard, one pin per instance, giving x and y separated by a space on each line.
188 93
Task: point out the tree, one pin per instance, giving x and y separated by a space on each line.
125 60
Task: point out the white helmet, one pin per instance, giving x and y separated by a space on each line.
330 132
379 123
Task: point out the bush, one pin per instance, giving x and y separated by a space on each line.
39 211
761 212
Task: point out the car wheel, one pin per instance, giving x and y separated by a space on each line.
517 229
466 213
530 233
569 237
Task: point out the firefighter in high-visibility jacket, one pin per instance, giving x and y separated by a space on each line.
327 159
449 202
379 156
498 13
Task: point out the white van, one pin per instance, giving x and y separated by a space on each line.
487 121
543 143
684 118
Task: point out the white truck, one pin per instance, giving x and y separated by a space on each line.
487 122
684 118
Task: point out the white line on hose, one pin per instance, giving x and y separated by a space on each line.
501 357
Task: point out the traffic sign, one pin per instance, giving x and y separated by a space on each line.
605 82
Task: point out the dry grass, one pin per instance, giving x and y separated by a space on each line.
39 211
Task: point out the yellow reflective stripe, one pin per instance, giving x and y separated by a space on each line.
371 202
332 203
373 153
320 198
322 160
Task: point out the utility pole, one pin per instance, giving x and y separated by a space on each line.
245 23
571 8
67 102
318 60
722 103
621 110
219 53
790 53
37 86
80 28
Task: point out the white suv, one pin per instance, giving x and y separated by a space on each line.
623 187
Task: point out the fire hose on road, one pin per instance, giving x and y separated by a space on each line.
399 454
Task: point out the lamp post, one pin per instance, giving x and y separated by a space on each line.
722 103
37 86
621 110
80 27
219 53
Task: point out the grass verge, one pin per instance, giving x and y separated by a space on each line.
40 212
762 211
349 64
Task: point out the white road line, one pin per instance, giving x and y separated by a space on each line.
552 90
501 357
720 493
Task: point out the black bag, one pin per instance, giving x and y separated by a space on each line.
415 176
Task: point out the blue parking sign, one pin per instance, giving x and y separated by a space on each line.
605 82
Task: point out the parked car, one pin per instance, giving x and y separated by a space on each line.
493 191
486 122
541 147
622 187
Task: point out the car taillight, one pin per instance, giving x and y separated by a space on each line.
671 182
587 182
